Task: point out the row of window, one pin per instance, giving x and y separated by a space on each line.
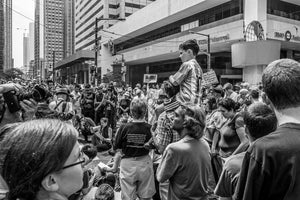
89 35
217 13
133 5
90 17
90 8
283 9
87 44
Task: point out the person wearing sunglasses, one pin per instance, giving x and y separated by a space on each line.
41 159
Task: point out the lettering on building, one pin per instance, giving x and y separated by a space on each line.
287 36
215 39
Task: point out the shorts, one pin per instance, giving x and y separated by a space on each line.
137 178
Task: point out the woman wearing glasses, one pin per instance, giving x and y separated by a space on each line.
41 159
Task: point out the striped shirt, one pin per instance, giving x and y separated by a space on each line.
165 135
188 77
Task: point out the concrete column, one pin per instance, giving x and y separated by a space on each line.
289 54
256 10
252 74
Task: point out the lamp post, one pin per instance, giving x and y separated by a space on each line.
96 41
208 47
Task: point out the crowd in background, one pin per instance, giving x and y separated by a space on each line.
174 140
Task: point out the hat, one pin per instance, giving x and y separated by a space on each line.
138 91
62 90
243 91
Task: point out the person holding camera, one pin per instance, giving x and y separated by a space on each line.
186 163
63 105
14 110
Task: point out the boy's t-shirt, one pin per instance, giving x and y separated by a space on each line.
131 138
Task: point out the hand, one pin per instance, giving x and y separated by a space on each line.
29 108
10 86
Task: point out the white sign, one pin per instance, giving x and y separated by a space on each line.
209 78
150 78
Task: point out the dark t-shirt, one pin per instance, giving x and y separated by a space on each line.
87 101
230 176
131 138
271 167
229 140
124 103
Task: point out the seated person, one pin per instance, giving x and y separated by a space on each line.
102 139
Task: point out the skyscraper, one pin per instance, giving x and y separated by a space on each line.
87 11
5 35
69 28
49 34
38 36
31 41
53 33
26 53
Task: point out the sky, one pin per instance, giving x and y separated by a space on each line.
20 25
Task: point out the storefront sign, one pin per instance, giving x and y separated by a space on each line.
215 39
287 36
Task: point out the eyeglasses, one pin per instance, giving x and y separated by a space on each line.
81 162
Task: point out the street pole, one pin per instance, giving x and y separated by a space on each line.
208 51
99 71
208 48
53 71
96 52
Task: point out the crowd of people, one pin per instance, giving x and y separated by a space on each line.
226 141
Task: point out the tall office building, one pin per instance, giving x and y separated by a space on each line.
49 34
69 28
54 31
5 35
38 37
87 11
31 41
26 53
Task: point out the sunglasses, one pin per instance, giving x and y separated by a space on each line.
81 162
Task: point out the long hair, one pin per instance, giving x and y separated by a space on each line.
31 151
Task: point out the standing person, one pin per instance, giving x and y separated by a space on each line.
107 108
87 102
260 120
124 105
62 104
186 163
271 167
229 93
164 133
189 76
232 134
76 98
136 170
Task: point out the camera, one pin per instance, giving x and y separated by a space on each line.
12 100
